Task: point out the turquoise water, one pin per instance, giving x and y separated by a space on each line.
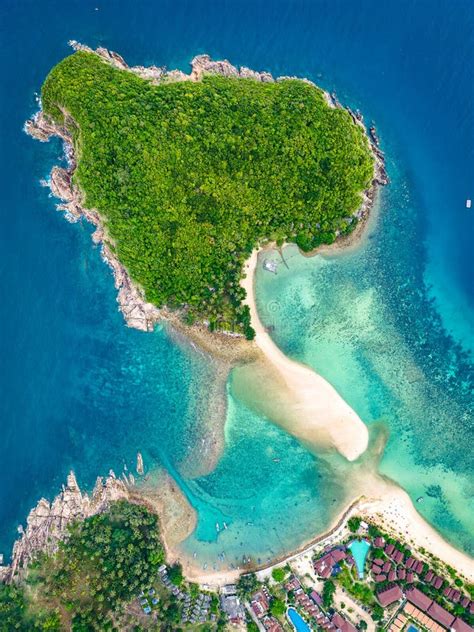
298 622
389 326
359 550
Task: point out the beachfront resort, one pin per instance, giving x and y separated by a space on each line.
363 579
358 578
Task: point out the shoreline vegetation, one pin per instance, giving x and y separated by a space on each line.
58 549
339 179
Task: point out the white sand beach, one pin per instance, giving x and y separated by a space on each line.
314 411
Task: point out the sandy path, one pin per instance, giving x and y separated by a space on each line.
319 414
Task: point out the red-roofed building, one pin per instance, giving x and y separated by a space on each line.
401 573
461 626
323 566
392 576
465 602
380 578
471 607
418 599
316 597
389 595
272 625
389 549
439 614
437 582
398 556
386 567
447 591
341 624
338 555
410 578
429 576
379 542
410 561
455 596
378 561
419 568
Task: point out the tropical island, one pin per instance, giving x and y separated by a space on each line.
185 175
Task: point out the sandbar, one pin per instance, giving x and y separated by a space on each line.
318 413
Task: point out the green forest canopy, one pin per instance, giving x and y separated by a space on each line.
189 177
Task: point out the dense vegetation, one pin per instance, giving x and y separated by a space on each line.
103 565
190 176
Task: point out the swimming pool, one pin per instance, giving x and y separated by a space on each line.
359 550
411 628
298 622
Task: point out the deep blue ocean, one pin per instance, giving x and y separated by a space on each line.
80 390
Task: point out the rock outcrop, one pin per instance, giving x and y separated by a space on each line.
47 523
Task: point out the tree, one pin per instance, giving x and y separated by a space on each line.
377 612
247 584
279 574
277 607
329 589
362 625
175 574
354 524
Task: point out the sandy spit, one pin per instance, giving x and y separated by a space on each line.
319 415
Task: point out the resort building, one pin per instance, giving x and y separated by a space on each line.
341 625
389 595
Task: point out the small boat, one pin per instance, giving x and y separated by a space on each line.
420 499
276 460
225 525
217 527
468 203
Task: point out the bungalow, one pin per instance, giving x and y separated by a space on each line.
375 569
465 602
386 567
389 595
429 576
401 573
439 614
447 592
437 582
455 596
418 568
418 599
316 597
410 578
398 556
271 625
392 576
380 578
378 561
410 561
379 542
389 549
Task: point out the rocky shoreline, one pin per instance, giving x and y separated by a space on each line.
47 523
137 312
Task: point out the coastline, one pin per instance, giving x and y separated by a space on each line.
386 505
